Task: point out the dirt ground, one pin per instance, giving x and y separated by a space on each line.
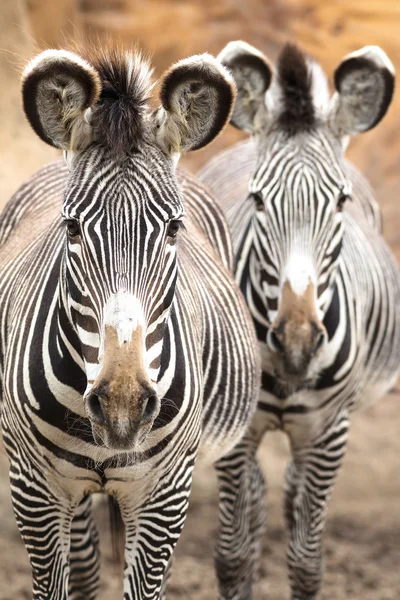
362 542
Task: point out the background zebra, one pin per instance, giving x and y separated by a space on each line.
117 358
320 282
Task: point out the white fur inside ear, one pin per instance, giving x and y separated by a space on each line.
168 132
345 142
175 156
376 55
366 89
69 159
58 86
252 73
87 116
197 98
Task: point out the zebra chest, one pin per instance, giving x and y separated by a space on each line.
299 415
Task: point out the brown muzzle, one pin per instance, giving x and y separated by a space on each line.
122 403
297 335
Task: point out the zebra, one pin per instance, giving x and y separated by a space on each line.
118 363
321 284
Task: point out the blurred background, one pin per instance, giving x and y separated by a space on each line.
363 533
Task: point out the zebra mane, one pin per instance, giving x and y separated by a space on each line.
295 78
119 116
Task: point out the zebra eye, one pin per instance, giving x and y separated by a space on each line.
173 227
258 200
72 227
341 200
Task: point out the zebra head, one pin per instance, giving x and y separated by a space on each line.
300 185
122 212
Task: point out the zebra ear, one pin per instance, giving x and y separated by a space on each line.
364 81
253 74
197 96
58 88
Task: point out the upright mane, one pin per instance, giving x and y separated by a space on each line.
118 118
294 71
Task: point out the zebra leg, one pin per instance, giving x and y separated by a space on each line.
241 521
44 517
290 493
167 577
84 554
309 483
153 524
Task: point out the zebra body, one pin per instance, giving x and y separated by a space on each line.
91 403
321 284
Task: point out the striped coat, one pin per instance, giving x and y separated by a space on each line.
118 363
321 284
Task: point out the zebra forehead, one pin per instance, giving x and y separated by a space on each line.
129 183
313 156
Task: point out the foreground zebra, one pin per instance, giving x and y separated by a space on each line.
117 356
321 284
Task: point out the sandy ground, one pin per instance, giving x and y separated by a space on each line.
362 543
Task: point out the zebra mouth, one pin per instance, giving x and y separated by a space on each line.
113 440
294 382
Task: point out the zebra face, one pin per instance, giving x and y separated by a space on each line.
298 192
122 211
300 186
122 219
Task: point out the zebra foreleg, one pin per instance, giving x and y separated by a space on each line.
44 518
241 521
153 524
290 493
309 484
167 577
84 554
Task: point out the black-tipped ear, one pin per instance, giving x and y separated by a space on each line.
364 81
57 89
197 96
253 74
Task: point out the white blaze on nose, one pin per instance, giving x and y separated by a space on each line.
125 314
299 272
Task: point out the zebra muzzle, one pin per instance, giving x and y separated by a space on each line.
122 404
297 336
118 423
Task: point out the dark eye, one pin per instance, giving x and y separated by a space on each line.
258 200
72 227
173 227
343 197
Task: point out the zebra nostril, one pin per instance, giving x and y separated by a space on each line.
95 409
274 342
151 408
